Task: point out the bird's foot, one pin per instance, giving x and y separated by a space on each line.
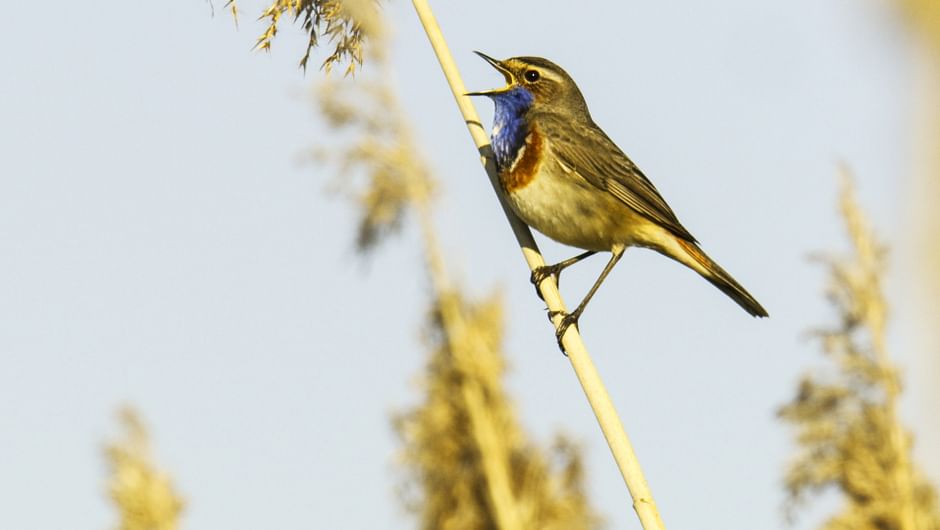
567 320
543 272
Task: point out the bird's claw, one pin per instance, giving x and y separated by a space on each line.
541 273
568 319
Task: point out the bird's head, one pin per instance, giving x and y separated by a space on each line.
537 79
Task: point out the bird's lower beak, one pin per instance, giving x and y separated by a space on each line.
497 64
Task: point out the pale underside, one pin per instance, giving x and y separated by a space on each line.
567 208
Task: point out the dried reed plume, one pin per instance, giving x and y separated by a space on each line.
848 432
377 168
346 24
465 436
143 495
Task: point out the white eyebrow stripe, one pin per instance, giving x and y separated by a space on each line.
548 74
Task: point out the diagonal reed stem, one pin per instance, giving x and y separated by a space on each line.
581 361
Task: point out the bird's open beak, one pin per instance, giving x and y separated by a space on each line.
502 69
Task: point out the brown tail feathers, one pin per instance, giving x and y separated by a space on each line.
722 280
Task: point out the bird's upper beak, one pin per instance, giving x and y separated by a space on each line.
499 65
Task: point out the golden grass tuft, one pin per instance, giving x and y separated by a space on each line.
468 463
849 436
346 24
142 494
377 168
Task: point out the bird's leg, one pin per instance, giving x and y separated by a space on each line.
545 271
572 318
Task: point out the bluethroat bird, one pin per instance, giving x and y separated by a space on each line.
564 177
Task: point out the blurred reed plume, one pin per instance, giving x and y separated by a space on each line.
924 15
464 438
378 168
143 495
346 24
848 431
467 463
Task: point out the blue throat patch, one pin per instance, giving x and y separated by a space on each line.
509 125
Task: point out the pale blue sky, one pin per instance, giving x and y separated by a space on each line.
162 245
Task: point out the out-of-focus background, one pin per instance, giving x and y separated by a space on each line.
167 242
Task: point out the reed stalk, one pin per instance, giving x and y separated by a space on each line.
580 359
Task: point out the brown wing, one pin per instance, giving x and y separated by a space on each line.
587 151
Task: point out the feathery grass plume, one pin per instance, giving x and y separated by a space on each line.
468 463
377 168
849 435
466 426
347 24
143 495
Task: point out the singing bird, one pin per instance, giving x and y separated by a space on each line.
563 176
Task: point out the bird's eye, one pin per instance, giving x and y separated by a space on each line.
532 76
